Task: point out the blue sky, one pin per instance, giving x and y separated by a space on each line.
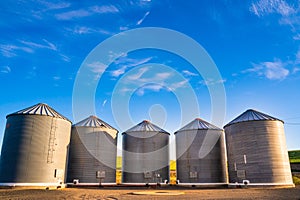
254 44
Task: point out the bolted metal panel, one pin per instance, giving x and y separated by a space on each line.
194 166
257 152
92 151
34 149
145 154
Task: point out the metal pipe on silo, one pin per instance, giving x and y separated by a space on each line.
35 146
93 152
257 151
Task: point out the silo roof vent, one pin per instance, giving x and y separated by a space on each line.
252 115
39 109
146 125
93 121
199 124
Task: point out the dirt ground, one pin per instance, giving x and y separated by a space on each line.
150 193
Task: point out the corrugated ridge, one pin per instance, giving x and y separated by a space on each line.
39 109
146 126
93 121
252 115
199 124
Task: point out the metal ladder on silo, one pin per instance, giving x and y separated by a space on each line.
51 143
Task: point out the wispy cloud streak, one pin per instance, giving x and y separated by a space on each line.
5 69
265 7
143 18
87 12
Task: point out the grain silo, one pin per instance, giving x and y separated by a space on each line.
145 154
35 146
93 152
201 153
257 152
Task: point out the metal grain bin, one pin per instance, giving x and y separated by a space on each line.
35 147
93 152
257 151
145 154
201 153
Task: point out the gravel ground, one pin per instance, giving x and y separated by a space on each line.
161 193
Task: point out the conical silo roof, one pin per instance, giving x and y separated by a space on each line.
252 115
146 126
39 109
95 122
198 124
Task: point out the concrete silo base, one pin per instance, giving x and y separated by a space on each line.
47 186
261 185
203 185
78 185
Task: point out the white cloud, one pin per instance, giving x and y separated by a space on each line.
138 75
271 70
265 7
44 7
140 3
181 84
56 78
65 58
9 50
296 37
287 10
104 9
123 28
156 87
73 14
296 70
208 82
150 87
163 75
275 71
188 73
47 45
54 6
87 12
143 18
154 78
87 30
97 67
104 102
118 72
82 30
5 69
126 63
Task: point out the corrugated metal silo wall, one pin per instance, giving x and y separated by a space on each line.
151 156
266 157
193 169
92 150
34 149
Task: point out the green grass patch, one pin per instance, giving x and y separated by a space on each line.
294 156
296 180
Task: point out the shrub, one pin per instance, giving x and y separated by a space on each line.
296 180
